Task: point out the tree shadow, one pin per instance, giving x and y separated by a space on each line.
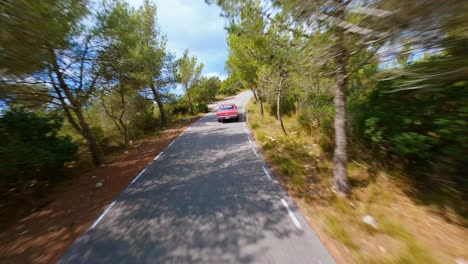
206 200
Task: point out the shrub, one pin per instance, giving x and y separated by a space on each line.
255 125
201 108
320 119
30 148
178 108
287 105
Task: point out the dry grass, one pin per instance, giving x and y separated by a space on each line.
406 232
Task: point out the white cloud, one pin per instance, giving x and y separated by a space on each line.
216 74
196 26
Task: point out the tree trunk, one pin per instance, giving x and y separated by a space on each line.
124 131
110 113
340 174
278 109
255 95
81 127
260 99
122 113
158 100
189 101
96 151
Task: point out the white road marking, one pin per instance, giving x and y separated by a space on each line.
256 154
245 129
244 125
158 155
138 176
266 172
102 215
291 214
181 134
171 143
249 139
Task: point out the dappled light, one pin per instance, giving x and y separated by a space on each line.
233 131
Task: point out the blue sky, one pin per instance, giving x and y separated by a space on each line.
196 26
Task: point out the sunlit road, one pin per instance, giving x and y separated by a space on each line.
208 198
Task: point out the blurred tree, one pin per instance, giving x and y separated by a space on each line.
205 91
188 74
31 149
156 63
44 42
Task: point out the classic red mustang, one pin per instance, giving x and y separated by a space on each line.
227 112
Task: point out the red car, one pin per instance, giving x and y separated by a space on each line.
227 112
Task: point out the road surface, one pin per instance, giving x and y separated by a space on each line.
207 198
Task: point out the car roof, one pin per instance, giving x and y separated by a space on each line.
227 104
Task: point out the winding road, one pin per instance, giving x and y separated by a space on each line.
207 198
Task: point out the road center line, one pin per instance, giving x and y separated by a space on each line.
102 215
291 214
171 143
266 172
158 155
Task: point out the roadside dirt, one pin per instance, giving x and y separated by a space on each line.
45 235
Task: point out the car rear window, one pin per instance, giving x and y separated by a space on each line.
227 107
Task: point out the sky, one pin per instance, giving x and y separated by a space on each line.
196 26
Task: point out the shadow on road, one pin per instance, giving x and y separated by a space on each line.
206 200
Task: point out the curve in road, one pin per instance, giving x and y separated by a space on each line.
207 198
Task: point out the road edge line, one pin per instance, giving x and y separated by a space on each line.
291 214
159 155
267 173
138 176
102 215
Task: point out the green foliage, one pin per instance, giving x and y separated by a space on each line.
188 71
427 127
255 125
205 91
178 108
319 120
373 131
287 104
139 117
201 108
27 25
230 86
31 149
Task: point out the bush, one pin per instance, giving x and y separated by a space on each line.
231 86
319 119
228 90
30 148
426 128
201 108
206 89
141 117
178 108
287 104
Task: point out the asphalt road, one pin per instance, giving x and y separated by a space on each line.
208 198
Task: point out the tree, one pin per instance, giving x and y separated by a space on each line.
155 61
309 19
31 149
231 85
57 52
188 74
248 48
119 32
205 91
